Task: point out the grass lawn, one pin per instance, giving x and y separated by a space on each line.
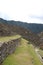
24 55
36 60
7 38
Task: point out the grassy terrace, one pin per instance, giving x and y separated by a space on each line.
36 59
24 55
7 38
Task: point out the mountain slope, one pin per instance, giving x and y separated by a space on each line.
12 28
36 28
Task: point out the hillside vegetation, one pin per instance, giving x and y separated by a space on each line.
34 27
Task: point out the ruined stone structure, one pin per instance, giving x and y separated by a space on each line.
7 48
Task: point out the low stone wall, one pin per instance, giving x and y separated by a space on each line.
7 48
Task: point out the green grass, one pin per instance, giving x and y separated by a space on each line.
24 55
36 59
7 38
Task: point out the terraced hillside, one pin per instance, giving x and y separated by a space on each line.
8 45
8 30
24 55
28 31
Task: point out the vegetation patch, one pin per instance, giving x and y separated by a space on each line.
35 58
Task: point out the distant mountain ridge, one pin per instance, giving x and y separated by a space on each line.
34 27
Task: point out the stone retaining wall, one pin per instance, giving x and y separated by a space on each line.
7 48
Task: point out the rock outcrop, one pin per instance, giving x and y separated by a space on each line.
7 48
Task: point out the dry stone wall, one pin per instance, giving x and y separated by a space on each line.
7 48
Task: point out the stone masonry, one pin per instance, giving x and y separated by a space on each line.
7 48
